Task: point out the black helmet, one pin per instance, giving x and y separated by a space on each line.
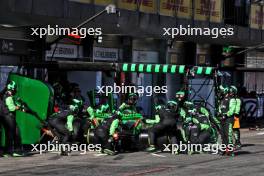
57 87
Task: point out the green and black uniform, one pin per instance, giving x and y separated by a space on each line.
165 123
181 99
197 127
105 131
226 111
63 123
126 118
210 120
8 117
236 130
97 116
182 113
104 134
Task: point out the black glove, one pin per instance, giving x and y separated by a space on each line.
144 120
45 124
223 117
190 124
71 133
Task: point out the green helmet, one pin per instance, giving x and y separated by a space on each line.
233 89
172 105
73 108
227 49
132 95
223 90
188 105
76 104
132 98
11 85
180 95
158 107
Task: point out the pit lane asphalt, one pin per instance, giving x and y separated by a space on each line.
248 161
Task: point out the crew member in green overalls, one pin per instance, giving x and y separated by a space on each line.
62 122
125 117
236 127
9 106
181 98
127 108
226 112
197 126
165 123
204 116
99 114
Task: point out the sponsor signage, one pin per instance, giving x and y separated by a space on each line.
64 51
257 16
127 4
145 56
103 2
208 10
82 1
105 54
148 6
179 8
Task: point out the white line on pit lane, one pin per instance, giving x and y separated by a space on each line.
155 154
262 133
100 154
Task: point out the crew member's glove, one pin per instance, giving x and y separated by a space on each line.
45 124
144 120
110 139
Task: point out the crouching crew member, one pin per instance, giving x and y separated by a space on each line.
62 123
165 123
105 133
